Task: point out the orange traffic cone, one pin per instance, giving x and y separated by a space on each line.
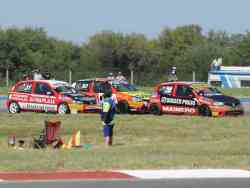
74 141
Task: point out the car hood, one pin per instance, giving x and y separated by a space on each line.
227 100
143 95
80 98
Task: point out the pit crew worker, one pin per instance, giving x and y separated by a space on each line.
172 76
107 114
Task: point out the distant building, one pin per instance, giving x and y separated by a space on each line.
229 76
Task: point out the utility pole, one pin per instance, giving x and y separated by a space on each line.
131 77
7 77
194 79
70 76
131 68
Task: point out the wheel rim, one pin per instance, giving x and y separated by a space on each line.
13 108
62 109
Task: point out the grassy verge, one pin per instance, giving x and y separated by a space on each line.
141 142
4 90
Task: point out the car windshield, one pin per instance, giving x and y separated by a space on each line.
131 87
121 88
65 89
210 91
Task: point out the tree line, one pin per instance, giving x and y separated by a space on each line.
185 47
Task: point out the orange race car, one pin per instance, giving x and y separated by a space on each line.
127 100
193 99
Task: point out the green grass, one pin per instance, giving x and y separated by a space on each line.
4 90
140 142
239 92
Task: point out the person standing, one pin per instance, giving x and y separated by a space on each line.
107 114
172 76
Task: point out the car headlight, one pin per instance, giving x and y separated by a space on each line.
136 99
218 103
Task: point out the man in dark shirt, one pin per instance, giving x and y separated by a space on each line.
108 113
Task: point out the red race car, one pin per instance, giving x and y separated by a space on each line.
48 96
193 99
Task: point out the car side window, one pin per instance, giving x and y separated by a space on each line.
166 90
24 87
184 91
82 85
43 89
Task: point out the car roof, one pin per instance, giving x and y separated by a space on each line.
53 83
195 85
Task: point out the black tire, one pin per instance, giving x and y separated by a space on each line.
155 109
63 108
14 108
122 107
205 111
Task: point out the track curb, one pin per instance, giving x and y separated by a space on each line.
125 174
62 175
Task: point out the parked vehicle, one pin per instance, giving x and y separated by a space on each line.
48 96
192 98
127 100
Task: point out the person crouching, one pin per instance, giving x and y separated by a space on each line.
107 114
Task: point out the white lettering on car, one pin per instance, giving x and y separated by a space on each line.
36 106
178 109
187 102
42 100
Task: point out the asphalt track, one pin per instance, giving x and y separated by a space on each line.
166 183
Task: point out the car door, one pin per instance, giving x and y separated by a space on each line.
184 100
166 95
21 95
43 98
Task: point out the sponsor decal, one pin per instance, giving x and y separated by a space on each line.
35 106
184 102
42 100
178 109
18 97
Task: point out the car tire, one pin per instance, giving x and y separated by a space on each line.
205 111
63 108
122 107
155 109
14 108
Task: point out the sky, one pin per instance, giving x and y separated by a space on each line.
77 20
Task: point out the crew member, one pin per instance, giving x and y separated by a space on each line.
172 76
107 114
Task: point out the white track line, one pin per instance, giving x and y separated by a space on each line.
188 174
